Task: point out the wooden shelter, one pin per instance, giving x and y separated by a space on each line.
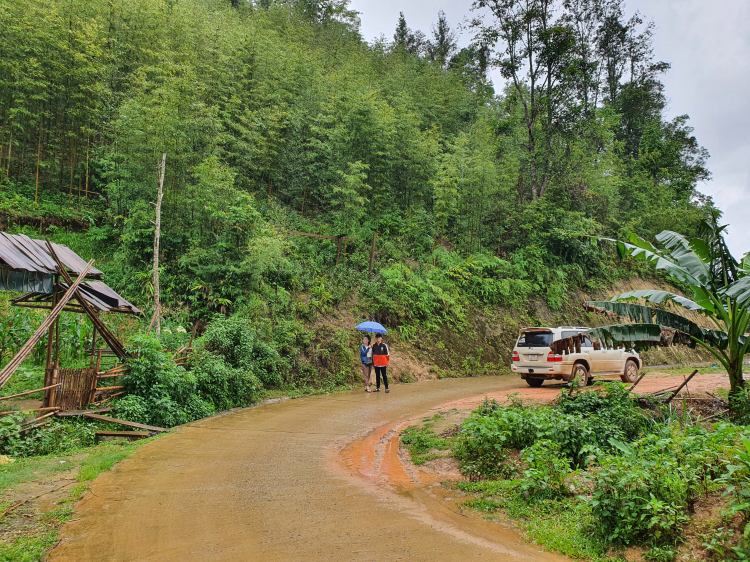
44 272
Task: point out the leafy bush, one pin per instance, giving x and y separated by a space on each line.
547 472
168 393
645 490
243 350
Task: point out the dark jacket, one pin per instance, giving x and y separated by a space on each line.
380 354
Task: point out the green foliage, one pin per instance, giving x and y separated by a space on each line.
547 472
719 285
167 392
580 430
642 475
420 440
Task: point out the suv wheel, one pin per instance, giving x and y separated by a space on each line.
581 375
535 383
631 371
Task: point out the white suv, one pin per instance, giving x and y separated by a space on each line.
535 362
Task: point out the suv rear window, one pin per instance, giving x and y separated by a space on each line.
535 339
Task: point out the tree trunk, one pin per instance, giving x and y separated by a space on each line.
157 232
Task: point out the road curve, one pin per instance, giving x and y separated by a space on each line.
264 483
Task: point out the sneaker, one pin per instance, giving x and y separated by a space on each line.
387 390
376 390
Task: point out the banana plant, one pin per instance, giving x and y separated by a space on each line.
720 287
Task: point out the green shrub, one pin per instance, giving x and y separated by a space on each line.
644 491
169 393
546 473
242 349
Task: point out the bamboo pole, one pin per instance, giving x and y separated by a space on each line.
28 392
676 392
10 146
28 347
38 160
88 137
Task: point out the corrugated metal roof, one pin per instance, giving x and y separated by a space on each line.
20 252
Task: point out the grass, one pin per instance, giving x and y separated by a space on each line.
687 370
560 525
422 443
30 540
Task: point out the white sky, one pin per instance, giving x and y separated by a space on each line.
708 45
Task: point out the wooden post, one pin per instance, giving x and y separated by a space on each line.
93 348
338 251
372 251
50 337
157 232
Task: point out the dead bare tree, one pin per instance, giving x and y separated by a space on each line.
157 232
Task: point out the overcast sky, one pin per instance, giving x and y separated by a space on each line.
708 45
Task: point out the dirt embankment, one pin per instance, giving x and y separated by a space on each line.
486 344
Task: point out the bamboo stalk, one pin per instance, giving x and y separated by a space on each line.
28 392
40 418
34 410
157 233
87 165
38 159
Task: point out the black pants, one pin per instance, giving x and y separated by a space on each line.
381 371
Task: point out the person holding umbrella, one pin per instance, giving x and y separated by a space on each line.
365 355
381 356
379 352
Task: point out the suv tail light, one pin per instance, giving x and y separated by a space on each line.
552 358
516 357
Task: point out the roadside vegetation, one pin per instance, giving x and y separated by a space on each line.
599 472
37 495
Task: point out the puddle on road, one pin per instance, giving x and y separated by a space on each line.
377 462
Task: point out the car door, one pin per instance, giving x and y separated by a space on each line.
615 363
597 358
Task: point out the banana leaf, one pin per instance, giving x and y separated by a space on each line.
636 335
740 291
647 315
640 248
654 295
683 254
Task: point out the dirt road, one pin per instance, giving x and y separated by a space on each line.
265 484
317 478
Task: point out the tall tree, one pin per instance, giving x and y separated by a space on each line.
443 44
404 38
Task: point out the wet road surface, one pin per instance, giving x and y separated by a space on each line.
269 483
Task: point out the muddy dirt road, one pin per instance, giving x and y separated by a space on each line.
311 479
265 484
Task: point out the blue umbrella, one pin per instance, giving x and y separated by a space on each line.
372 327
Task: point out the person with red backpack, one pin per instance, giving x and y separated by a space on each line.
381 355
